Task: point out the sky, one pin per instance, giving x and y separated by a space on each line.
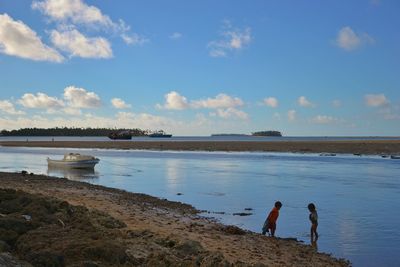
305 68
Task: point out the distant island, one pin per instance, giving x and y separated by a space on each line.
65 131
267 133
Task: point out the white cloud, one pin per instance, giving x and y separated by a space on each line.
220 101
175 36
232 39
72 111
224 105
271 102
276 116
173 100
134 39
304 102
40 101
323 119
390 112
119 103
76 44
232 113
75 11
336 103
80 98
348 40
17 39
291 115
375 100
8 107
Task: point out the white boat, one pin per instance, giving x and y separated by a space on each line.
395 156
327 154
75 161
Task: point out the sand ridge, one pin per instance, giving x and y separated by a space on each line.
370 147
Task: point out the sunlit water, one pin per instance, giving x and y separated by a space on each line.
357 198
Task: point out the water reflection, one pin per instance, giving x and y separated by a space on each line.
173 173
73 174
355 195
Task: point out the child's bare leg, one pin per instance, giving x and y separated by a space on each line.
312 234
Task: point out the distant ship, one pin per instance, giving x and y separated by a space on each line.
125 135
160 133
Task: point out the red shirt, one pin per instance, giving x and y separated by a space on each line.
273 215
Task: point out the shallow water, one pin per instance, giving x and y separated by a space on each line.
356 197
232 138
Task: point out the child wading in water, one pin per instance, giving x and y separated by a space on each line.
270 222
314 221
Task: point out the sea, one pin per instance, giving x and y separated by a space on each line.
357 197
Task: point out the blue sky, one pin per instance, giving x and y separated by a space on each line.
202 67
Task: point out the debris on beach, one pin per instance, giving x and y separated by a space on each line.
242 213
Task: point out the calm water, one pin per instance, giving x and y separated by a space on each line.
357 198
201 138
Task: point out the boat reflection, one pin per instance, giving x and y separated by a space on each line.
72 174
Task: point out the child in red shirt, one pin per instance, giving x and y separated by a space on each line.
270 222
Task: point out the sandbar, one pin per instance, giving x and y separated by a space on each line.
367 147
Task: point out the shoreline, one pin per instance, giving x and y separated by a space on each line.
371 147
176 222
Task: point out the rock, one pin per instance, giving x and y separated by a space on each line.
189 247
215 259
7 260
26 217
233 230
242 214
4 247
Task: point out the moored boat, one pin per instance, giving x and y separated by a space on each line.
160 133
74 161
125 135
327 154
395 156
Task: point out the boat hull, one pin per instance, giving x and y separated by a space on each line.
160 135
80 164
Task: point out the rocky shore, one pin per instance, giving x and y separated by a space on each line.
47 221
352 147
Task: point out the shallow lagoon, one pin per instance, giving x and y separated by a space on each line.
357 198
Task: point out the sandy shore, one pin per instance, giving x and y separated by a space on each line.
156 229
352 147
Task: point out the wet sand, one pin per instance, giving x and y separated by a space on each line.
157 232
351 147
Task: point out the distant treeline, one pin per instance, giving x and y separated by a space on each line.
70 132
267 133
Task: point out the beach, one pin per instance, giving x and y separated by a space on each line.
367 147
143 230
